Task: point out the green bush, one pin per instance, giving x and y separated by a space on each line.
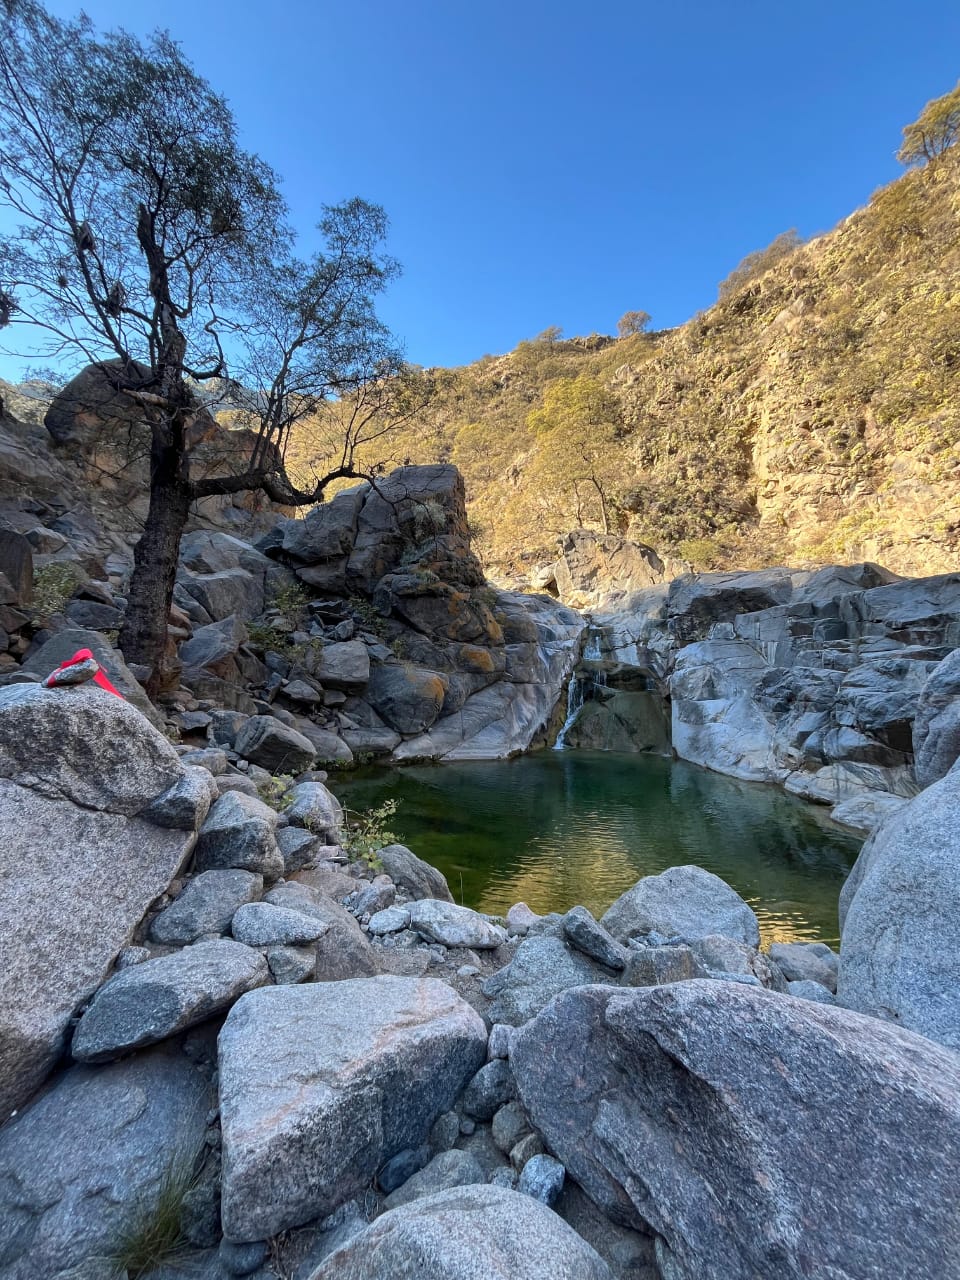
365 833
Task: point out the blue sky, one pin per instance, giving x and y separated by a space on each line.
558 163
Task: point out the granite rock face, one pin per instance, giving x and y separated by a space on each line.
936 728
465 1233
708 1113
899 948
321 1084
78 867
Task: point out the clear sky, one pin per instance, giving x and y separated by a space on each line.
556 163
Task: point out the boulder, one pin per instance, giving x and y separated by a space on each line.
78 867
228 593
582 931
540 969
263 924
408 698
936 728
343 950
92 1157
447 1170
410 873
321 1084
274 746
454 926
755 1134
593 567
313 806
465 1233
206 905
343 666
41 661
806 962
682 900
151 1001
900 927
240 833
214 648
184 805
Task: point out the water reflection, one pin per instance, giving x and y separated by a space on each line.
558 828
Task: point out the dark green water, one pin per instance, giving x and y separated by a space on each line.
564 827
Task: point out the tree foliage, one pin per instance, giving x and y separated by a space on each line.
935 129
761 260
146 236
577 428
633 322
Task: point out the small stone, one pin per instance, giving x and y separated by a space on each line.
498 1046
298 847
468 1127
453 926
291 964
132 955
525 1150
468 971
210 758
653 966
489 1089
504 1177
810 989
401 1168
243 1259
510 1124
390 920
371 899
445 1132
542 1177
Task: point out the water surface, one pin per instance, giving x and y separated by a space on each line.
564 827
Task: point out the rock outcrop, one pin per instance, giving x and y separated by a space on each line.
751 1132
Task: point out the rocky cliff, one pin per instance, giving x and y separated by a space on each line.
808 417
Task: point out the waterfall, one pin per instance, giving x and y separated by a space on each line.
584 682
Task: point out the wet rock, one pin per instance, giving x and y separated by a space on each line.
303 1074
154 1000
682 900
663 1100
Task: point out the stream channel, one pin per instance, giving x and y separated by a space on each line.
557 828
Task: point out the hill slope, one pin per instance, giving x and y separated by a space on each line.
811 415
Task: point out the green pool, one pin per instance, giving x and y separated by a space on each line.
564 827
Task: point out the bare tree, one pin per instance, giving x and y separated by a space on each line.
147 238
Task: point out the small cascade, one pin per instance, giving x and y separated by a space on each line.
583 685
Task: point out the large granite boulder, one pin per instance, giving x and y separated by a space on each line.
408 698
412 874
91 1158
682 900
321 1085
78 866
936 729
273 745
542 967
755 1134
240 833
465 1233
900 922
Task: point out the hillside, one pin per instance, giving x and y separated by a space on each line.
811 415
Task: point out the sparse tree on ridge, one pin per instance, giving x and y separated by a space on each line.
935 129
147 237
633 322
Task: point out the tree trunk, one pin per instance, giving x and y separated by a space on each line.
143 638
